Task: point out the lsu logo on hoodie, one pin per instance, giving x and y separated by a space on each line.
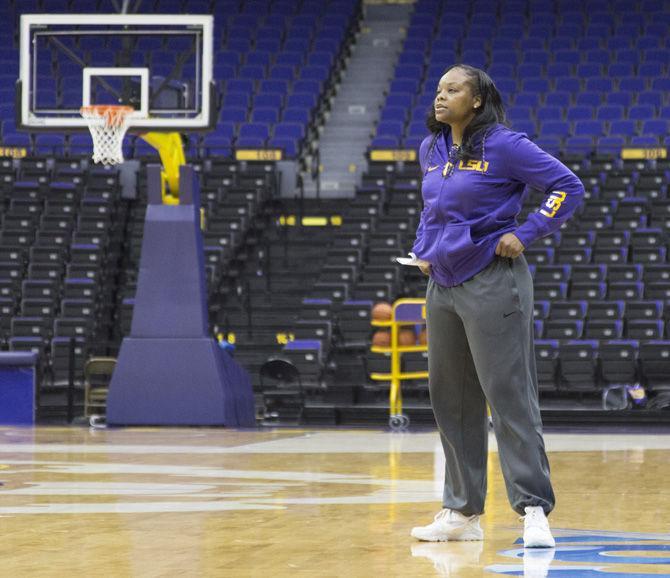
553 203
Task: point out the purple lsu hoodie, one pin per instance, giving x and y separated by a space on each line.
469 205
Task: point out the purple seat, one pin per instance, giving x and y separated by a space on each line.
589 69
645 141
650 97
589 127
282 72
288 145
251 72
253 134
233 114
627 55
525 126
305 100
547 113
610 113
568 83
610 144
390 128
641 112
567 56
632 83
312 86
578 113
656 126
384 142
650 69
588 98
400 100
623 127
265 115
527 99
662 84
49 144
579 144
299 115
535 84
555 128
236 100
619 69
292 130
268 100
622 98
529 70
558 98
549 143
240 85
214 144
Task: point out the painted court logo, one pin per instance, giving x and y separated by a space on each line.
580 554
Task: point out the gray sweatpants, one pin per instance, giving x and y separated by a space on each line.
480 349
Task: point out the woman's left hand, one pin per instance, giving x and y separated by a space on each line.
509 246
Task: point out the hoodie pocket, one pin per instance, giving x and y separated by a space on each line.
427 246
456 246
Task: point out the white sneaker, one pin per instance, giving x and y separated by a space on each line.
450 525
536 532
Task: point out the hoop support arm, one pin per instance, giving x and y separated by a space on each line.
170 148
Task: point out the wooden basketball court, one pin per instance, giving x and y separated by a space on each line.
205 502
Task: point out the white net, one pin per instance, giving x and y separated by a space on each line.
108 125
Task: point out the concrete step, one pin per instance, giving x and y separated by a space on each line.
367 119
342 149
333 132
371 100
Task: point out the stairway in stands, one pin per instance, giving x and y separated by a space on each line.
346 134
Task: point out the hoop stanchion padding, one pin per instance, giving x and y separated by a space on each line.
170 371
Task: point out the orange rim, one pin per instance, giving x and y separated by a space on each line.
114 114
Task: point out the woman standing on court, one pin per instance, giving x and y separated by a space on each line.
479 302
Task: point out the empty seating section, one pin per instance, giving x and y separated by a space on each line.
60 242
275 63
575 75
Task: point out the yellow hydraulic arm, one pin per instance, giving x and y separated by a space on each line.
170 148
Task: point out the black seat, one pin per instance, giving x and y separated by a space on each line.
603 329
579 365
655 364
546 360
281 385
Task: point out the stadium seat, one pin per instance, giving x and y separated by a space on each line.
618 368
579 365
655 364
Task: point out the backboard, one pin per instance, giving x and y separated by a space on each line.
159 64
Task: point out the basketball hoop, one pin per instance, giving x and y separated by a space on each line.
108 124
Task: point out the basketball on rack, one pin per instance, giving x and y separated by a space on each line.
381 339
382 311
406 337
